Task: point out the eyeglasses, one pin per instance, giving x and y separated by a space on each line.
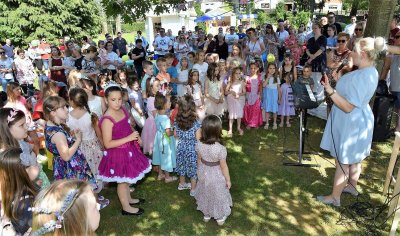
358 30
3 52
341 41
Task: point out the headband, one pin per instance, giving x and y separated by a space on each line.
56 224
11 116
110 85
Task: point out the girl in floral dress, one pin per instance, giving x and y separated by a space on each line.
292 43
187 132
68 160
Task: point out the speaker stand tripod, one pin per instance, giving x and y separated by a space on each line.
300 152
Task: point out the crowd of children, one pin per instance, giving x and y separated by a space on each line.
117 129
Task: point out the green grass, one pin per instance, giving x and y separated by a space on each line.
269 198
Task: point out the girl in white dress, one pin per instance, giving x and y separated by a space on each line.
183 74
201 66
96 103
214 93
193 88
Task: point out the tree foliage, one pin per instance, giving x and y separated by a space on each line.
26 20
133 10
296 19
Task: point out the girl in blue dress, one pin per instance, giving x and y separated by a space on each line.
271 95
348 131
164 142
187 132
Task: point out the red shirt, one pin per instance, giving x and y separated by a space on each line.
45 46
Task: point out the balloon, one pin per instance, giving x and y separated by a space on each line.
35 43
125 58
271 58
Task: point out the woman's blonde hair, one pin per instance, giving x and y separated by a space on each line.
62 198
371 46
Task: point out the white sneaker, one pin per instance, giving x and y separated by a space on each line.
221 221
184 186
206 218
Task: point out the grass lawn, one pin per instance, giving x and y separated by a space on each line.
269 198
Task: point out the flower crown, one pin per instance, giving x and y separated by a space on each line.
11 117
55 224
111 84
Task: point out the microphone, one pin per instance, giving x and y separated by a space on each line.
344 63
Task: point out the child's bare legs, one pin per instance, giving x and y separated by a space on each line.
182 180
230 127
282 121
274 115
288 121
125 198
239 122
266 120
193 183
161 175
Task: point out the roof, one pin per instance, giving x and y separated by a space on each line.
219 12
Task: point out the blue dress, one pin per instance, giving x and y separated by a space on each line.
270 96
348 136
164 146
186 156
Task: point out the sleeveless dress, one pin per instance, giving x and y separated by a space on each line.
149 128
90 145
76 168
196 93
58 75
236 105
212 197
214 91
186 156
252 108
270 96
125 163
95 106
164 146
286 108
296 51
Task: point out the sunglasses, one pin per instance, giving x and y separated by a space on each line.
2 52
358 30
396 37
341 41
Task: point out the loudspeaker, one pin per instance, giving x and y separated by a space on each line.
383 112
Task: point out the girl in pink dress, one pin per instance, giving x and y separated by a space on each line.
235 91
123 162
252 109
149 128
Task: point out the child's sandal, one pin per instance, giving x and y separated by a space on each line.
288 124
266 126
275 126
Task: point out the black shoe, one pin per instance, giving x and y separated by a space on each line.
141 201
138 213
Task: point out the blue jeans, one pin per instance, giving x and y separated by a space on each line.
4 83
45 63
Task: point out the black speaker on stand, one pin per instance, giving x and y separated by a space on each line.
383 113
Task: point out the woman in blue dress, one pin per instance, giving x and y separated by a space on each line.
348 132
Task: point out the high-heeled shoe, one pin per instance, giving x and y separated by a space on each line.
332 202
126 213
141 201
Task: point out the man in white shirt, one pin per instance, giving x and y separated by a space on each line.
282 35
349 29
231 38
162 44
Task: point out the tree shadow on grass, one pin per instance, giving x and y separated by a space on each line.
269 198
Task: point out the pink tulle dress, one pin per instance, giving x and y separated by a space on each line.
252 108
149 128
125 163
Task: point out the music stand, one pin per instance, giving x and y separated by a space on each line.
303 99
300 152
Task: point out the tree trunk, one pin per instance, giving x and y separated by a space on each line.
118 23
103 18
380 16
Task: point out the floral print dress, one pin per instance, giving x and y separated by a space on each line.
76 168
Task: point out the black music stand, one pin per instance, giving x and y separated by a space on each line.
302 100
300 152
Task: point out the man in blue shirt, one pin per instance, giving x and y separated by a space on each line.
9 49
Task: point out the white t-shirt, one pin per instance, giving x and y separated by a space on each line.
163 43
230 40
349 29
